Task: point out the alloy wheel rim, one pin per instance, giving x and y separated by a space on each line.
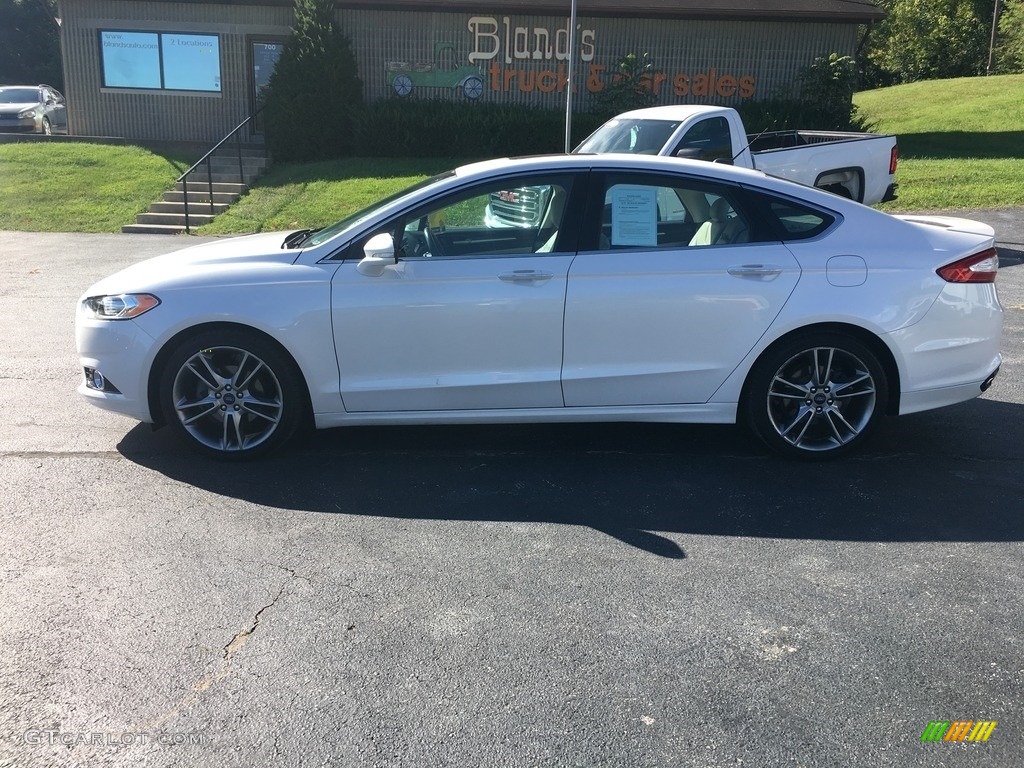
821 399
227 399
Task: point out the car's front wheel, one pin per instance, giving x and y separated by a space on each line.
816 395
231 393
47 128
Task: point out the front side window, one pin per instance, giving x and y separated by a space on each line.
160 60
707 140
500 218
643 211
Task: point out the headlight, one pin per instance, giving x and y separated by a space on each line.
124 306
27 113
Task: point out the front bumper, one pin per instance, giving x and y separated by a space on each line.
119 350
10 123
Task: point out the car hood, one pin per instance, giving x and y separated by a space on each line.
229 261
13 109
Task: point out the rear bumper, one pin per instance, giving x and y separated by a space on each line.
890 193
925 400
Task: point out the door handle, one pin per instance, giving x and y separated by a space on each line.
525 276
763 271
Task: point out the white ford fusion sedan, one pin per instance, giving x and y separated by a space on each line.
562 288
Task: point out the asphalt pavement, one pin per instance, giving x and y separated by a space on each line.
557 595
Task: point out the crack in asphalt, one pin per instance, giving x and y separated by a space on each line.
238 641
235 645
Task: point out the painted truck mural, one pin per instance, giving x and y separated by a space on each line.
443 72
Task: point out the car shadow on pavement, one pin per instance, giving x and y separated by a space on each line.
1010 257
948 475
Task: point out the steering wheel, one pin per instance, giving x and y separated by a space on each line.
434 247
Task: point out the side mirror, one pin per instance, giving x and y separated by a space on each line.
690 153
378 253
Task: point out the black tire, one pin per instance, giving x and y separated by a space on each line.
816 395
232 394
838 189
46 127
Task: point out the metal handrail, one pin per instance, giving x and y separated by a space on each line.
183 179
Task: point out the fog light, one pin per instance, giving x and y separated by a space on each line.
96 380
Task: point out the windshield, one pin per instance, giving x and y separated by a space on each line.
327 233
639 137
19 96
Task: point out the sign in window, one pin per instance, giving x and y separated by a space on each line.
160 60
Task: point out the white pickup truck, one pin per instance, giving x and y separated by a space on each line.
860 166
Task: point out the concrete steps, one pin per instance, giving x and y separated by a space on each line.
167 216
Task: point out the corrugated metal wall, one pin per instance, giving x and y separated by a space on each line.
768 53
696 61
161 115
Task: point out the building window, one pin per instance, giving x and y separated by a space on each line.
160 60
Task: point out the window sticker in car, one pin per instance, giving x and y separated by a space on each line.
634 215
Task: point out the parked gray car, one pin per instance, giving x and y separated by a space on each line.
32 109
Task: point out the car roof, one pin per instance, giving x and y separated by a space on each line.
700 169
674 112
610 161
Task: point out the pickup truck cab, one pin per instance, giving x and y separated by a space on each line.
859 166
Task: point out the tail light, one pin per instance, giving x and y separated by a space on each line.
894 157
979 268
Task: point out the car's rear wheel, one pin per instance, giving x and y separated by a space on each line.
231 393
815 396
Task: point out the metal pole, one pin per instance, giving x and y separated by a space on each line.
570 81
992 40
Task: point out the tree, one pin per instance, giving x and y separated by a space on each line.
1010 48
630 88
928 39
29 43
314 89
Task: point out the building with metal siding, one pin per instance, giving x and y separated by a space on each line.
188 70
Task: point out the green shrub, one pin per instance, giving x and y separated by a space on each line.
435 128
822 100
314 89
630 87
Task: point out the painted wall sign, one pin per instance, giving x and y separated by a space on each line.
500 42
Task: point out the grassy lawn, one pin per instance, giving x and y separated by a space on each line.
961 141
317 194
72 187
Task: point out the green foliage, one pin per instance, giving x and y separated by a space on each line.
1010 50
927 40
29 44
441 128
82 187
821 101
314 89
961 141
630 87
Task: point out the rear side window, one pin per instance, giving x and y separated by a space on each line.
797 222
